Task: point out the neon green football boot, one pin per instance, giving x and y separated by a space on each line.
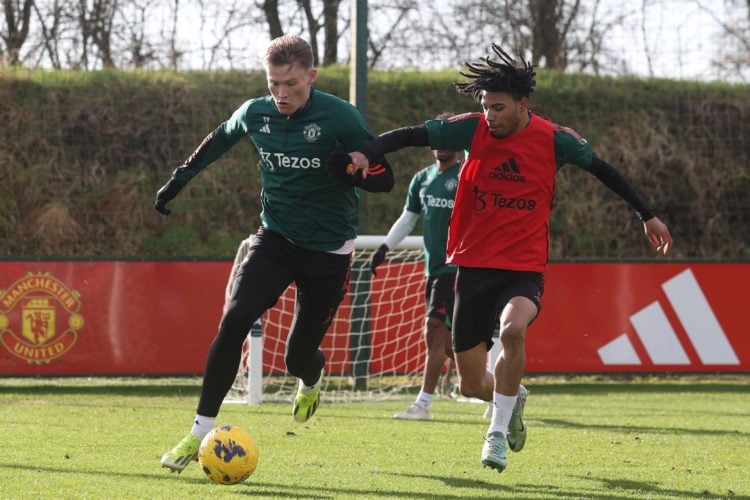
181 455
307 400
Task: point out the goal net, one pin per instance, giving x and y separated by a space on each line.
374 349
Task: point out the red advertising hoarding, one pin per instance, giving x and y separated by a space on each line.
641 318
108 317
127 318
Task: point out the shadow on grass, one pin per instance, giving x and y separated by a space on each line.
610 487
253 488
503 490
640 387
648 490
569 424
158 386
130 391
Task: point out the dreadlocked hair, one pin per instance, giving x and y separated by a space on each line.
505 75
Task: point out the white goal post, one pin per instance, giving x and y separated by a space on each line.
374 348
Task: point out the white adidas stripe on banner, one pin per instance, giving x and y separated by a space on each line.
659 338
619 352
699 320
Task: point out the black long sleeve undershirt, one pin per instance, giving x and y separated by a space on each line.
614 180
396 139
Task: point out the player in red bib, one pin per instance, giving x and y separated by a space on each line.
499 228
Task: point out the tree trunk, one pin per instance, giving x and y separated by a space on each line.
101 34
546 42
271 10
331 43
551 21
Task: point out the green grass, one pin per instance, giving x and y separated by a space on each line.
593 438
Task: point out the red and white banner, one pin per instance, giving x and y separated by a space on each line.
122 317
641 318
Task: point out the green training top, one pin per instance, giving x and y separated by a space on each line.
299 199
431 194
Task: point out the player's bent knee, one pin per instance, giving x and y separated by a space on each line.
512 337
235 324
471 389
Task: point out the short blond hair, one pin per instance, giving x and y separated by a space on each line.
289 49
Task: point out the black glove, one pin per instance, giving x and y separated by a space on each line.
378 258
379 177
167 193
339 166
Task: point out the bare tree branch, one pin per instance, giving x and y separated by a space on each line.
17 17
51 33
312 27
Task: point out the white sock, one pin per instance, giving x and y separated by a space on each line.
424 399
502 413
307 388
202 426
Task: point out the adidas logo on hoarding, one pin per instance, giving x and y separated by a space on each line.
659 338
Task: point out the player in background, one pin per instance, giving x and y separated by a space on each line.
431 194
499 229
308 226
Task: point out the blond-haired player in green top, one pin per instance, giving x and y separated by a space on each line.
308 226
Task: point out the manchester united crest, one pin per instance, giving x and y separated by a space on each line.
312 132
39 318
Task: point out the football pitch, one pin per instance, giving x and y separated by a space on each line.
589 437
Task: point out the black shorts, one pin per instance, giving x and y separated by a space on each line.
271 264
279 262
439 294
481 295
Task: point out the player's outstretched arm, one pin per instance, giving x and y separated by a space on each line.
182 175
167 193
387 142
658 233
212 147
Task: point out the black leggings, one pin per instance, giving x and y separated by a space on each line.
271 265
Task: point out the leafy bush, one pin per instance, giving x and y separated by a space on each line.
84 154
